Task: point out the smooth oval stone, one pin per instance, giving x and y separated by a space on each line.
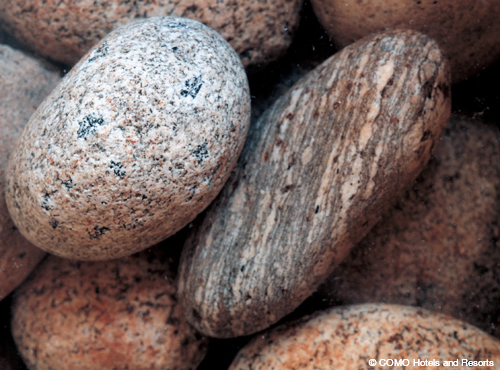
349 337
259 31
24 83
136 140
120 314
468 32
318 170
438 247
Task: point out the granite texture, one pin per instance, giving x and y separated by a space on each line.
438 247
24 83
137 139
348 337
259 31
467 31
318 170
120 314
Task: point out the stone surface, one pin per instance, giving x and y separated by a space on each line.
317 171
24 83
136 140
348 337
259 31
438 247
120 314
467 31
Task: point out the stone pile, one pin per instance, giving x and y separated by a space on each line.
172 216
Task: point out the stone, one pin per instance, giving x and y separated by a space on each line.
468 32
24 83
438 246
369 337
120 314
137 139
259 31
318 170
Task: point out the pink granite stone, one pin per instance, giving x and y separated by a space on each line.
346 338
259 31
120 314
24 83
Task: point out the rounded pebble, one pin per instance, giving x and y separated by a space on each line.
136 141
119 314
349 337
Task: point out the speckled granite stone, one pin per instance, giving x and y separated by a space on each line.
467 31
136 140
119 314
438 247
348 337
260 31
24 83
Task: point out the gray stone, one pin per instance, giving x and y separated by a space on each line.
318 170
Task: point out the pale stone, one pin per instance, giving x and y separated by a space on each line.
136 141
